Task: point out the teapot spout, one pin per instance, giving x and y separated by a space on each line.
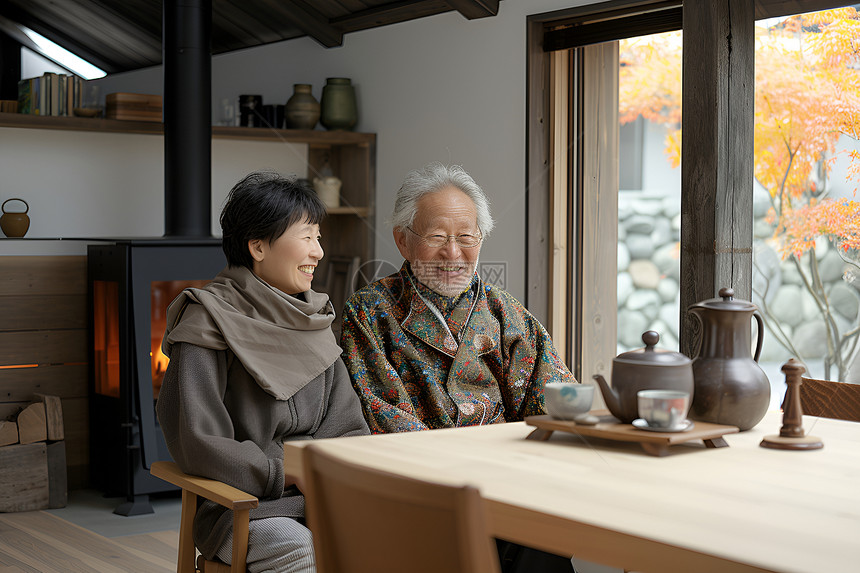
609 396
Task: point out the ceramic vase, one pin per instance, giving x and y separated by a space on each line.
15 224
339 110
303 110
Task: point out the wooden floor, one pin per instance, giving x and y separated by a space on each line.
39 542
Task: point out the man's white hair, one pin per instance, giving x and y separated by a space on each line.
432 178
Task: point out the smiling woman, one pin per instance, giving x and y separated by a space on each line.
254 363
288 262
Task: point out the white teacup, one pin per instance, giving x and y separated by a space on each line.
663 408
566 400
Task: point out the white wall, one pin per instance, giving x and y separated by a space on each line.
92 184
440 88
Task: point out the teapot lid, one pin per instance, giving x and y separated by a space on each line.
651 355
726 301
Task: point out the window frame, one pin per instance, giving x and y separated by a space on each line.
716 188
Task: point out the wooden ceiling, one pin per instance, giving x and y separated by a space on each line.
123 35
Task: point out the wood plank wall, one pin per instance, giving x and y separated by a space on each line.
43 325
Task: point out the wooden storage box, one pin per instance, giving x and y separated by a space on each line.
135 107
24 483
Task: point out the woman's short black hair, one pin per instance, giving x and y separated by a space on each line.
262 206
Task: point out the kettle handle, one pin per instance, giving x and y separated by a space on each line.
3 207
692 310
760 334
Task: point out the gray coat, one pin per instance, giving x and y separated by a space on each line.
218 423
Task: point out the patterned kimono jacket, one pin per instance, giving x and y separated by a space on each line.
412 373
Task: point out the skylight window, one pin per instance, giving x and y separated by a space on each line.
63 57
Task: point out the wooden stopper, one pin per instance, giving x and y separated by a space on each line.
792 413
791 435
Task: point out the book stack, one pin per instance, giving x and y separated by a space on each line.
50 94
134 107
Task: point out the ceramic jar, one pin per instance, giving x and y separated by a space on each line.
328 189
15 224
303 110
339 110
731 388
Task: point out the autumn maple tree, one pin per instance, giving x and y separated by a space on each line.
807 97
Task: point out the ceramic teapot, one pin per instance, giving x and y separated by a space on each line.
647 368
14 224
731 388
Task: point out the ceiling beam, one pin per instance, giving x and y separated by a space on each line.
389 13
473 9
779 8
312 23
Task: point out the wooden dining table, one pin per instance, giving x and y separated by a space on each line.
741 508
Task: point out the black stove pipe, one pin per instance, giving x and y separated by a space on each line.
186 35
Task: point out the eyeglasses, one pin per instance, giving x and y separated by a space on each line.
439 241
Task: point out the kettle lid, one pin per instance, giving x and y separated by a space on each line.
726 301
651 355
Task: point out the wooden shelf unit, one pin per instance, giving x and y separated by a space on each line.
346 232
68 123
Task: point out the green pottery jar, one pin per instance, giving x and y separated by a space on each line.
302 110
339 110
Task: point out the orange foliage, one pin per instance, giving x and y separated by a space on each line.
838 219
807 96
650 85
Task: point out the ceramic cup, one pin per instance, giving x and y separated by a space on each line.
566 400
663 408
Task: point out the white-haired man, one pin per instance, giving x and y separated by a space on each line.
433 346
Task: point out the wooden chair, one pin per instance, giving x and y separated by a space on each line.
340 282
369 521
193 486
829 399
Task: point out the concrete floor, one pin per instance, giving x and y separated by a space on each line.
91 510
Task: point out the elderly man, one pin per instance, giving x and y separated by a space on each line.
433 346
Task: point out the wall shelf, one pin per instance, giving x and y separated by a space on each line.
64 123
349 230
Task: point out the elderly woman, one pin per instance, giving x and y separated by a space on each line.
253 362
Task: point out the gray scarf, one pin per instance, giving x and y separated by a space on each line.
282 341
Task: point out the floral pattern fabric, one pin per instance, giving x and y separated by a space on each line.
411 373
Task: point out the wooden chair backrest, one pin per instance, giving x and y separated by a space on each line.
368 521
340 282
829 399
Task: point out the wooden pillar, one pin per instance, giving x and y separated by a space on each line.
717 147
10 66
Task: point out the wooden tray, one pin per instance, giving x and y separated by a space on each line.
654 443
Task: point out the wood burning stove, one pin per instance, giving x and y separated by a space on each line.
131 282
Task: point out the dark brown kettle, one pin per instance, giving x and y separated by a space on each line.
731 388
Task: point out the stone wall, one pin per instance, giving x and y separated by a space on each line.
648 283
649 231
